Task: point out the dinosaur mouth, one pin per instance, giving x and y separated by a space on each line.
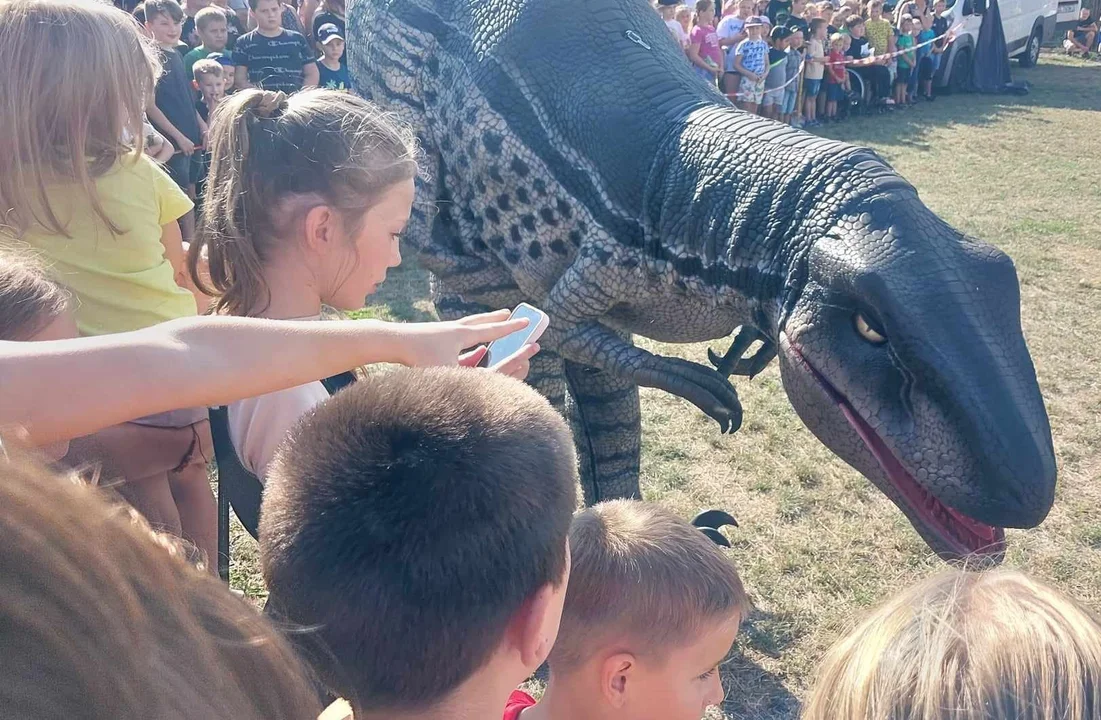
958 535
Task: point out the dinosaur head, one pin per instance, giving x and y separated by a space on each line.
902 351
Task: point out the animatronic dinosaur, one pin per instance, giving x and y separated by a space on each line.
575 161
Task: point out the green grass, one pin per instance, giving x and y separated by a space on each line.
817 544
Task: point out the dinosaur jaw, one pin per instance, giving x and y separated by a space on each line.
953 535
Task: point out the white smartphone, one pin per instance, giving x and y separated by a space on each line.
502 348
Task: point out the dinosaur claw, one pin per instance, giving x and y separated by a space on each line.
714 519
714 357
716 537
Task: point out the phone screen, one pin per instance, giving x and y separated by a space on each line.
511 343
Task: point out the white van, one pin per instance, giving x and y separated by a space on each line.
1027 23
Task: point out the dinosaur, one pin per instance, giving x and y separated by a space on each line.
573 160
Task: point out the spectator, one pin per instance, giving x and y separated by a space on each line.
210 82
875 75
1081 38
751 62
926 67
777 72
212 27
683 16
188 33
237 16
104 620
797 19
906 60
877 29
826 12
172 107
347 550
966 646
34 309
667 9
940 27
289 19
703 43
778 11
330 12
837 80
651 611
793 67
731 31
306 199
229 70
815 71
333 71
272 57
107 220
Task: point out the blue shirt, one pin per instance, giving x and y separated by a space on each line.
333 79
754 54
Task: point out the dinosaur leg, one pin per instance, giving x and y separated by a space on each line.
584 295
604 413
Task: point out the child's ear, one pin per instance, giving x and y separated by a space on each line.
536 625
617 678
195 84
320 228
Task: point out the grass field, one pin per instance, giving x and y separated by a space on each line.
818 545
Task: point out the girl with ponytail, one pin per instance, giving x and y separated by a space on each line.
306 198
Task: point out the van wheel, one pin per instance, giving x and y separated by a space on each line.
1031 55
960 78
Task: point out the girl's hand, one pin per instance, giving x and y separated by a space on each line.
516 365
435 344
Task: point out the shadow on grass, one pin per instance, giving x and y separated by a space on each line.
1055 83
753 693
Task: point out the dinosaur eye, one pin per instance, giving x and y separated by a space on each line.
869 329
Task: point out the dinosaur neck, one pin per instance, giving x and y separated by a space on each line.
707 201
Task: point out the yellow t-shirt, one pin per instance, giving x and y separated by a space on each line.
878 33
121 281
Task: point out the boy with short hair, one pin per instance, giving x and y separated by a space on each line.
172 107
272 57
212 28
652 609
776 75
417 524
210 82
751 62
792 67
333 74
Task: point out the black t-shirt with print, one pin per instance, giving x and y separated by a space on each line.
274 63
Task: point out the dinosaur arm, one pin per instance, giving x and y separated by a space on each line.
582 296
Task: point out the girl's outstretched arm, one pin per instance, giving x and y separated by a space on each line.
62 389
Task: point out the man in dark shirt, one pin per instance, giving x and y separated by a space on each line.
271 57
778 11
1082 37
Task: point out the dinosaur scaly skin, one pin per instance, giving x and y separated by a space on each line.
574 161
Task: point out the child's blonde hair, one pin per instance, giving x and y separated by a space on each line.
641 576
275 157
681 11
966 646
837 39
102 620
76 76
202 68
29 300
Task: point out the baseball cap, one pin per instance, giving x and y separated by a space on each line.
756 20
224 59
780 32
327 32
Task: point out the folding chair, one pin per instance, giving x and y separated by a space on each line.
237 487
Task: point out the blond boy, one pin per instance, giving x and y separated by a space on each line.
652 609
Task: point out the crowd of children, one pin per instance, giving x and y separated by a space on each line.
790 60
419 536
